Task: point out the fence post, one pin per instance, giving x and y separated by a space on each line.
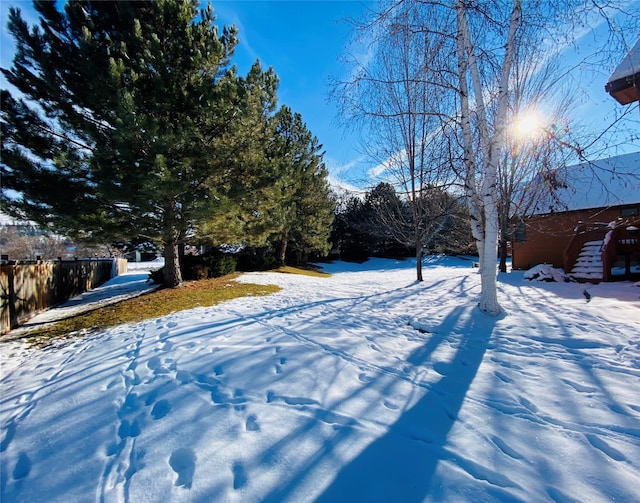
13 312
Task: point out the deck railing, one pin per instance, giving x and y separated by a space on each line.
621 240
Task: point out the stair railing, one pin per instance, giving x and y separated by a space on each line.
609 252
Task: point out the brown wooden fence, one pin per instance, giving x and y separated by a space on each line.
28 287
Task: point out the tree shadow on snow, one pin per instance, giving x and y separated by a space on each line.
404 460
408 455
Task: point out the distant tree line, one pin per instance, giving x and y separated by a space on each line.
383 224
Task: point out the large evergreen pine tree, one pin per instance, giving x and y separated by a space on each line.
300 208
285 200
129 119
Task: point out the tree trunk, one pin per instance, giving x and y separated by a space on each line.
419 262
283 250
503 255
172 273
490 147
473 200
503 240
488 276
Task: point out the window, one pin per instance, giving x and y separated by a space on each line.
520 233
629 212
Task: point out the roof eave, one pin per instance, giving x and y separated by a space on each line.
625 90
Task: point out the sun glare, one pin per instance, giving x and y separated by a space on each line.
527 125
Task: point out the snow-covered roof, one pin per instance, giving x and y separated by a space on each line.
607 182
630 65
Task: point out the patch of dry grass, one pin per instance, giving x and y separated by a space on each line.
152 305
306 271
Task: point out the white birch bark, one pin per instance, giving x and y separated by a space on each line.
491 146
473 202
489 296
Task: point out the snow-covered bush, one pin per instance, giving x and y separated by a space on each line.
545 272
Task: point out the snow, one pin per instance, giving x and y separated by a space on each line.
365 386
596 184
630 65
545 272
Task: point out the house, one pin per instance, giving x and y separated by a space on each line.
591 228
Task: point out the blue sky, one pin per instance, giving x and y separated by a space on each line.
304 40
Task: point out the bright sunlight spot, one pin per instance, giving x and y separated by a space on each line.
528 125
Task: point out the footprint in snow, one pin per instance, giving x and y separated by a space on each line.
390 405
618 409
160 409
11 431
239 476
206 381
581 388
183 376
130 378
25 397
128 429
333 418
442 368
299 400
183 462
608 450
503 377
164 346
252 423
110 385
364 378
505 448
131 403
527 404
23 467
221 397
156 365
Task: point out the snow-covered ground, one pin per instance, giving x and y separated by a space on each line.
363 387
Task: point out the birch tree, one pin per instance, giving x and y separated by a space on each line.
481 187
393 98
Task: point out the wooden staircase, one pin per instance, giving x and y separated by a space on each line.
596 247
589 265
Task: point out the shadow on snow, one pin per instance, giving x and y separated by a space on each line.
408 454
